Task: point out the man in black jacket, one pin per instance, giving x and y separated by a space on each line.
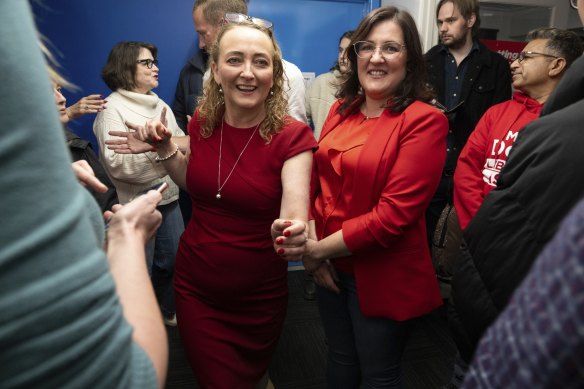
468 79
541 181
188 88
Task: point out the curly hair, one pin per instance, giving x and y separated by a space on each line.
412 88
212 104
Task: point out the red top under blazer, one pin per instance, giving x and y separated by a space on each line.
401 162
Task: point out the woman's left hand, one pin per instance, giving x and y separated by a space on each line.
88 104
290 238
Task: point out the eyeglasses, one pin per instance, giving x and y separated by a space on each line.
148 62
574 4
388 50
232 17
530 54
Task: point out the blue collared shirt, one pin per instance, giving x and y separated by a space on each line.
454 75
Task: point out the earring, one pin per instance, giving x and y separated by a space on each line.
271 92
360 91
220 89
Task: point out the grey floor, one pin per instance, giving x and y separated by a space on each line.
299 362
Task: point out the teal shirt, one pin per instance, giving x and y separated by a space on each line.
61 322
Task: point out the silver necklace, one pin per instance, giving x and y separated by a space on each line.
219 185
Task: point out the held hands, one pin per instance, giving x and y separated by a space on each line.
88 104
290 237
291 242
143 138
139 216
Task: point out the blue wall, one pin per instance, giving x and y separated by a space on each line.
83 32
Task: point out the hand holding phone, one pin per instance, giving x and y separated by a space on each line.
160 188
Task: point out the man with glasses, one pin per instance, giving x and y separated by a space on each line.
536 342
535 74
539 184
468 79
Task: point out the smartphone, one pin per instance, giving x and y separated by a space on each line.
160 188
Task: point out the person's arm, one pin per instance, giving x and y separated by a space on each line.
295 90
132 168
54 271
294 207
468 177
129 229
86 105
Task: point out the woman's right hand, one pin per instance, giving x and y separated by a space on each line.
139 216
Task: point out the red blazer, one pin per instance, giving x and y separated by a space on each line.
398 172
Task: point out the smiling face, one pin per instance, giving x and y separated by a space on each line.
380 77
454 30
343 45
145 79
532 73
244 69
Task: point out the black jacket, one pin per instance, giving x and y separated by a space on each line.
541 181
188 88
81 150
487 82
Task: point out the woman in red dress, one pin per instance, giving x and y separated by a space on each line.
249 163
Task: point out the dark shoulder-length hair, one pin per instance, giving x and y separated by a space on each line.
119 71
413 87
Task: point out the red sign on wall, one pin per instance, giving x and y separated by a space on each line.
508 49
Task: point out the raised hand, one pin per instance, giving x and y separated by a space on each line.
153 131
86 105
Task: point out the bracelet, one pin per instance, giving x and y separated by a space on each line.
169 156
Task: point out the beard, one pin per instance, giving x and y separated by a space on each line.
454 42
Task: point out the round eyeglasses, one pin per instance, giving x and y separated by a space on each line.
148 62
531 54
388 50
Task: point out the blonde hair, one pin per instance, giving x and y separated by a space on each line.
52 66
212 104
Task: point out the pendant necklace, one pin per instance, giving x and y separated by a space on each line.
219 185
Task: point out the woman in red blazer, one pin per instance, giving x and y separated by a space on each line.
379 162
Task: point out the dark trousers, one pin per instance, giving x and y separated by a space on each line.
363 352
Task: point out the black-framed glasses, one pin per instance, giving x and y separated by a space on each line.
531 54
233 17
148 62
388 50
574 4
